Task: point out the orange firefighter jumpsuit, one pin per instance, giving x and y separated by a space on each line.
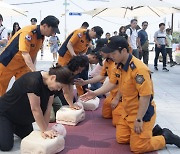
134 82
80 41
28 39
107 69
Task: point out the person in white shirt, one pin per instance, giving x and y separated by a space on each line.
132 37
3 35
54 45
160 43
169 46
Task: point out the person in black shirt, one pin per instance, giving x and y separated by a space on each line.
30 99
122 32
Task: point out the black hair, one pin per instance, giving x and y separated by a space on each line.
144 22
96 52
133 20
168 30
1 17
14 26
63 74
161 24
33 19
120 29
85 24
78 61
107 33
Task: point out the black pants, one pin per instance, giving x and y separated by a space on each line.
169 52
162 49
145 55
7 131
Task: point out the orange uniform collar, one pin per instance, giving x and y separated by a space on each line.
38 32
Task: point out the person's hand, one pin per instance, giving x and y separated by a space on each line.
75 106
87 96
158 45
49 134
138 126
79 82
114 103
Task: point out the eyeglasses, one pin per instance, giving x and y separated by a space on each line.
145 25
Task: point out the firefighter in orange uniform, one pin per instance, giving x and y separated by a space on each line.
20 54
77 43
107 68
138 112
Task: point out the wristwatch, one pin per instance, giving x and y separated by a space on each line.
139 120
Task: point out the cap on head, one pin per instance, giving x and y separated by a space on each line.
1 17
33 20
101 42
51 21
98 30
115 43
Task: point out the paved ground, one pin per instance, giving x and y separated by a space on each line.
167 97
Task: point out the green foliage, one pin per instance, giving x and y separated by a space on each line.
176 37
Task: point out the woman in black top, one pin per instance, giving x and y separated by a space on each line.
16 27
122 32
30 99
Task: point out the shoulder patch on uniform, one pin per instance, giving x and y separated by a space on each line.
79 35
132 65
28 37
139 79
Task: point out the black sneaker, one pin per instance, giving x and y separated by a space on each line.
155 68
172 64
157 130
165 69
171 138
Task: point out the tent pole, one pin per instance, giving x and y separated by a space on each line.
172 22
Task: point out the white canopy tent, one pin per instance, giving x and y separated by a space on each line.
134 8
10 10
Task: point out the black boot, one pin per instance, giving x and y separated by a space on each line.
171 138
157 130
